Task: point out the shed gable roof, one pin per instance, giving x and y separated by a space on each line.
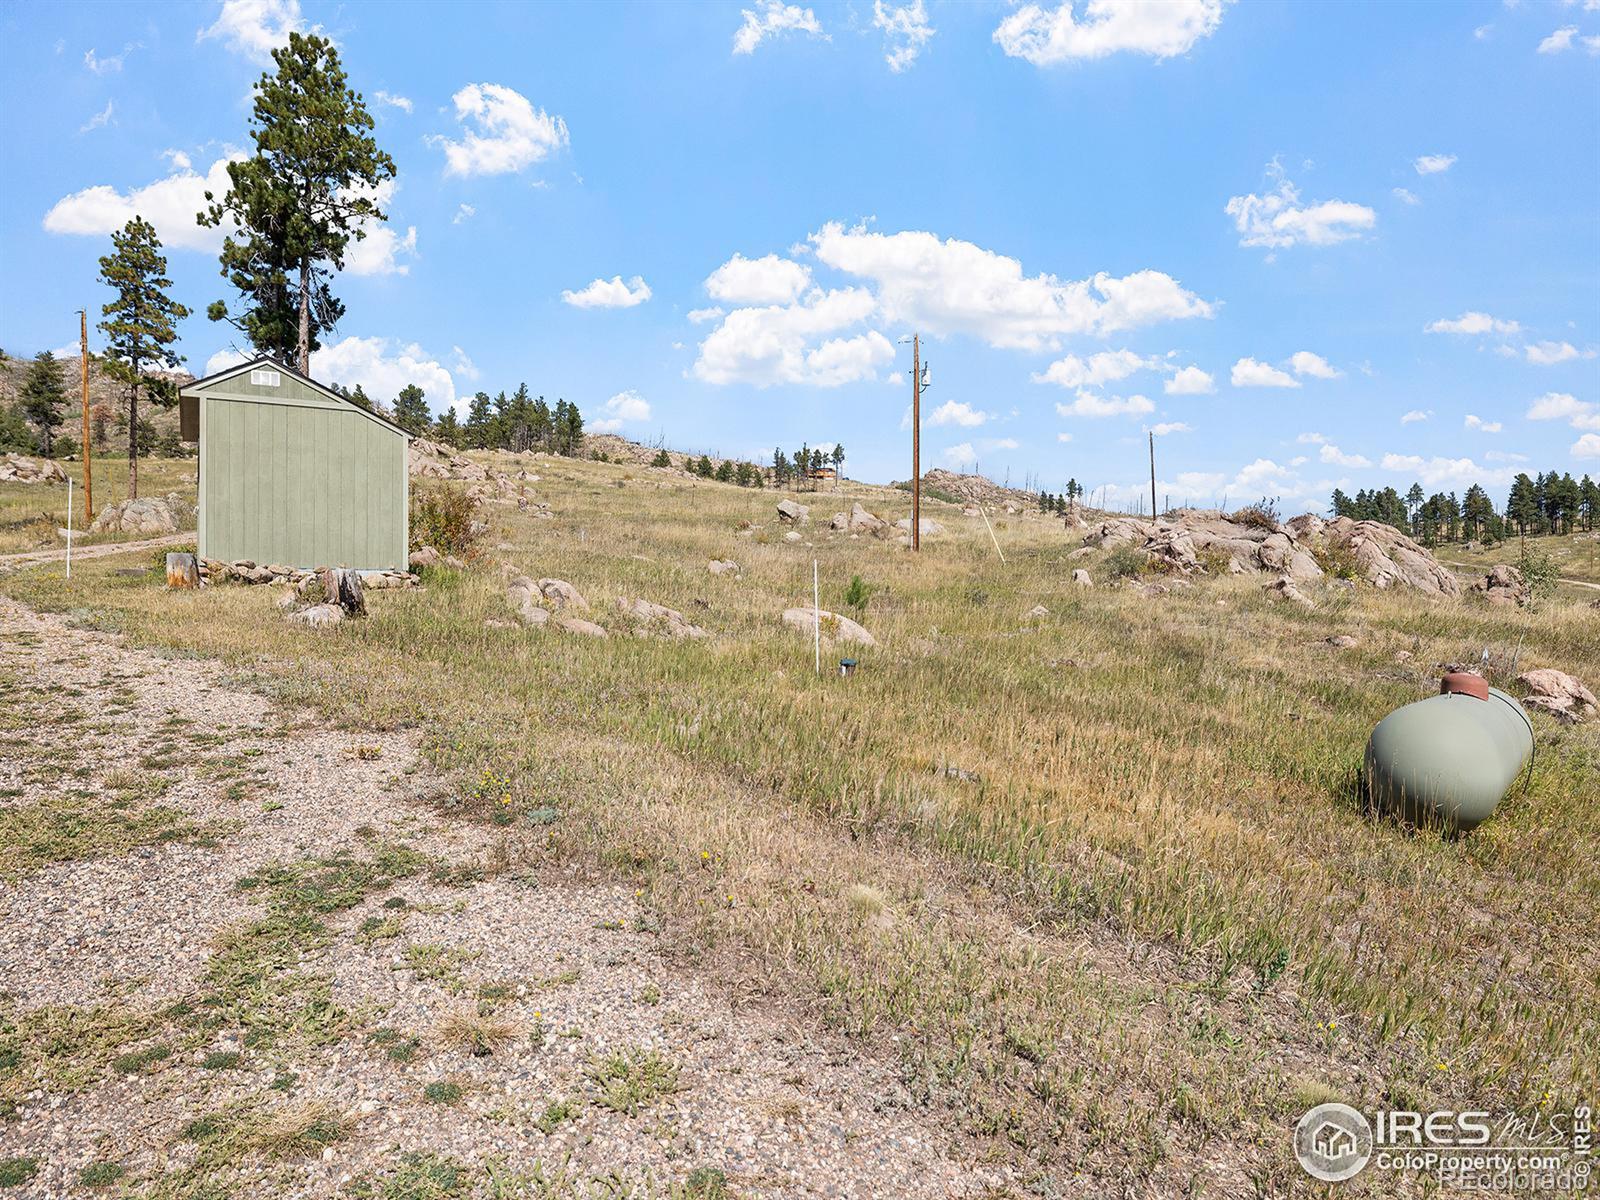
199 386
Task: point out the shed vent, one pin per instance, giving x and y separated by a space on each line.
264 378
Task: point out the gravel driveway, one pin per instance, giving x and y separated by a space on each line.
407 995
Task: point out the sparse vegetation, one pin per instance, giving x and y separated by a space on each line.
631 1079
1159 816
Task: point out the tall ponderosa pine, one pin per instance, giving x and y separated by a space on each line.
411 410
42 396
140 327
311 186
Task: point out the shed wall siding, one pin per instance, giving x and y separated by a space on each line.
301 483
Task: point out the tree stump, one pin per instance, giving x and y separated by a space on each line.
342 586
182 571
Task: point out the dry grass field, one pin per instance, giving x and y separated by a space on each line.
1100 882
31 514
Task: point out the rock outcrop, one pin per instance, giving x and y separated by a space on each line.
928 525
1504 586
834 627
1559 694
1197 541
657 620
859 520
1387 558
148 516
19 468
793 513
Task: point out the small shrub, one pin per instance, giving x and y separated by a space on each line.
14 1172
662 459
1125 562
632 1079
441 517
1337 560
220 1060
555 1115
101 1174
1539 571
442 1091
857 595
706 1183
1263 514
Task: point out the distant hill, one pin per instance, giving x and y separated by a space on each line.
107 397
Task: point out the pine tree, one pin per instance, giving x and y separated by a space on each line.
411 410
838 459
1522 506
780 468
140 325
311 186
42 395
724 471
14 432
703 467
447 429
477 427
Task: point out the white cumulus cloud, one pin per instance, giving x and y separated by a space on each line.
1457 473
169 204
504 132
905 31
1474 421
1303 362
1562 40
960 455
609 293
1108 366
1433 164
1247 372
1190 381
1279 219
1405 196
1472 323
1161 29
953 286
255 28
1091 404
1548 354
464 213
766 280
778 343
382 367
1415 415
1336 457
1169 427
1564 406
622 408
1588 446
772 18
958 412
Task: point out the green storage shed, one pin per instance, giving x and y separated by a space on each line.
293 473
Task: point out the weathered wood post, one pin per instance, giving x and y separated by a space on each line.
183 571
342 586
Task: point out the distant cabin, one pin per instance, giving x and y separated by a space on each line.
821 473
293 473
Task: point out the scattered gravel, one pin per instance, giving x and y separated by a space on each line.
569 968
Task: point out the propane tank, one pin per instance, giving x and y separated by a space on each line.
1450 759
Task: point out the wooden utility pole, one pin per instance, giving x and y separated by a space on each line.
83 363
1152 476
916 442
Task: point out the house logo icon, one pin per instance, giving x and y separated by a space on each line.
1333 1142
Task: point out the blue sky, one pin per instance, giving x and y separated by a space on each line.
1310 245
